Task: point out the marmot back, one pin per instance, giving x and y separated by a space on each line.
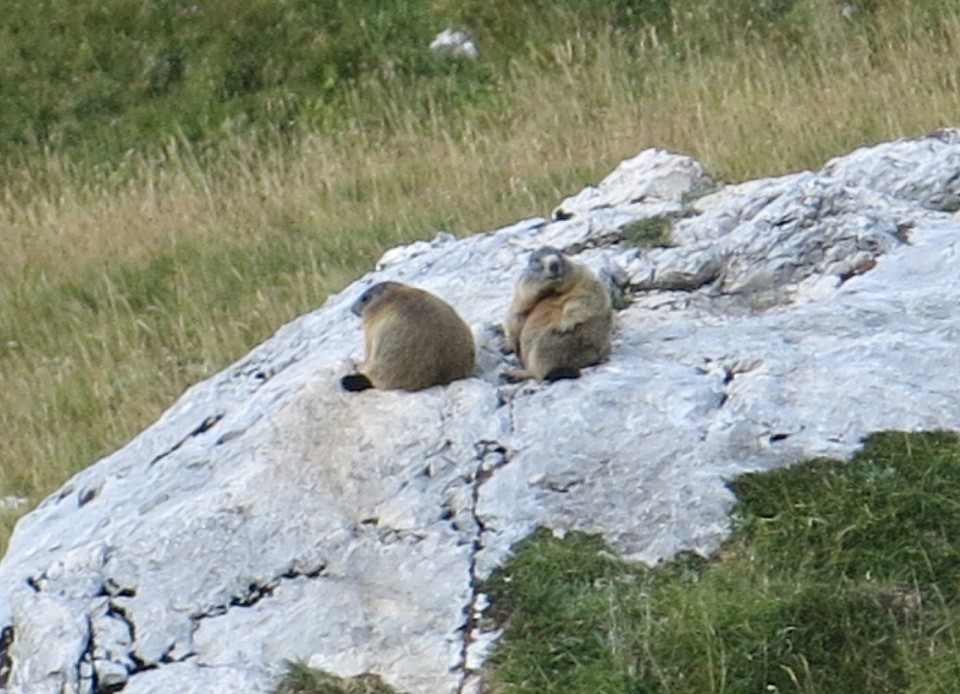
413 340
560 319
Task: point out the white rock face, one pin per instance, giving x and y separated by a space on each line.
269 516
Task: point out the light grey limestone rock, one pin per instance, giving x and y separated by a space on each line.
269 516
12 502
455 44
924 171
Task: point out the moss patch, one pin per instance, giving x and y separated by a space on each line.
302 679
650 232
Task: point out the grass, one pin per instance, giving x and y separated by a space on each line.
302 679
649 232
839 577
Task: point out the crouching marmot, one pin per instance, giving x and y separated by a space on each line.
413 340
560 319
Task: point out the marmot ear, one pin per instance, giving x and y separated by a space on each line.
355 383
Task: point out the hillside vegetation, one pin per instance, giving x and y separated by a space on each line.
179 179
839 578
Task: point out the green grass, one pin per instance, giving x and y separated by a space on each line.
649 232
302 679
839 577
100 78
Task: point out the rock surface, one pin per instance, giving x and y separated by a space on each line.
270 516
454 43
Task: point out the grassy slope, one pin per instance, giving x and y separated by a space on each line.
839 578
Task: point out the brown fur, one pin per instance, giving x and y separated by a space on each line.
413 340
560 319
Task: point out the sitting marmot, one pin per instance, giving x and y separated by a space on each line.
560 320
413 340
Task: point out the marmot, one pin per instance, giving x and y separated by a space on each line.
560 319
413 340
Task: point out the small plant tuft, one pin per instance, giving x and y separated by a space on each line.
652 232
302 679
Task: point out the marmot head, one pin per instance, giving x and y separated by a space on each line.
373 296
546 265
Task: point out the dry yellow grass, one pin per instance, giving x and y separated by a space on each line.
241 244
